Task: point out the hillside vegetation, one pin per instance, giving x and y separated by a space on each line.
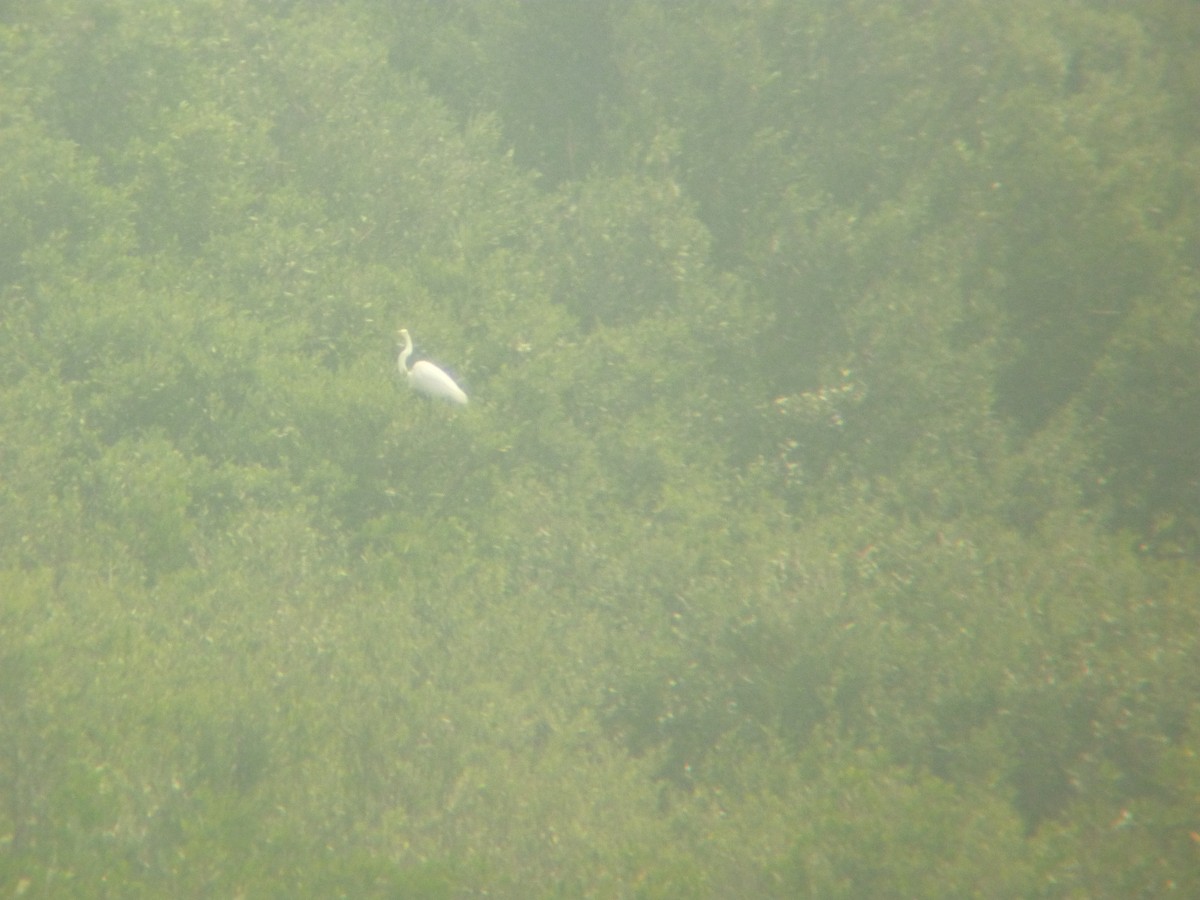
825 520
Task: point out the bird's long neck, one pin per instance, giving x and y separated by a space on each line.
405 352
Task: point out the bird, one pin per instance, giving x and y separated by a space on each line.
426 378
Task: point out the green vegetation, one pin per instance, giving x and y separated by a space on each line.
825 521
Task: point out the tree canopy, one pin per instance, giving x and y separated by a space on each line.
824 522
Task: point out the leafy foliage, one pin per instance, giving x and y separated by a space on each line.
822 523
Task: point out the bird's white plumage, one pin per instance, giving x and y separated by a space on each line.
426 378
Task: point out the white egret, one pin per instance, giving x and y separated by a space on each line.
426 378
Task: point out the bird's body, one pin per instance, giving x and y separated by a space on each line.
426 378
